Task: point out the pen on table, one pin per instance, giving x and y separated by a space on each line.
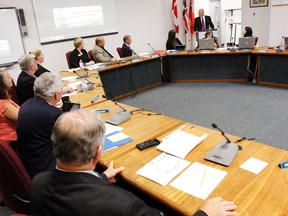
203 177
102 110
95 99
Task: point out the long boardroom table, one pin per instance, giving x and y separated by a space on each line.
255 194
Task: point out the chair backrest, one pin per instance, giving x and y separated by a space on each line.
14 94
256 40
90 55
119 50
14 181
68 59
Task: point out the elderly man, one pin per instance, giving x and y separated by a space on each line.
75 189
126 48
35 123
26 78
203 22
100 54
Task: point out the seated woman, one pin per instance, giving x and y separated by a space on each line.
209 34
8 109
247 32
79 53
172 41
39 57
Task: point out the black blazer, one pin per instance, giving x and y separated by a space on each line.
126 51
171 46
75 57
35 123
40 70
198 23
24 87
69 193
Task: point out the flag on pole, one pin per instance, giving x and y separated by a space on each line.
191 17
175 16
185 16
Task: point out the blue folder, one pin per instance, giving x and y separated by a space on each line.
108 144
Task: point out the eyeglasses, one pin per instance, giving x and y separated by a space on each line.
163 166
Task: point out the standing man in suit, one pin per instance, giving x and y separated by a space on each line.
35 123
75 189
126 48
100 54
203 22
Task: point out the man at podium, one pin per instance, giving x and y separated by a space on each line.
203 22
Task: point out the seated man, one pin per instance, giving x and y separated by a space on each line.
126 48
35 123
75 189
100 54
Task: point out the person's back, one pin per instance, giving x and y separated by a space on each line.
74 193
35 123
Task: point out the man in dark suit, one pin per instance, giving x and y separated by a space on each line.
126 49
75 189
203 22
35 123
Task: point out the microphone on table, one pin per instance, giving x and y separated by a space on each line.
118 117
224 152
152 49
82 75
89 83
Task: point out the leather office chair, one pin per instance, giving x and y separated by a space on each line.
15 181
90 54
119 50
256 40
14 94
68 59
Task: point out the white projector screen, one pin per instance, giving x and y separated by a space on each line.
11 44
67 19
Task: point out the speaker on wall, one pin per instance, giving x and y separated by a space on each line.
22 22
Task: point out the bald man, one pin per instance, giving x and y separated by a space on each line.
203 22
100 54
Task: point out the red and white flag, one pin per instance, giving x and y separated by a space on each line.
185 16
191 17
175 16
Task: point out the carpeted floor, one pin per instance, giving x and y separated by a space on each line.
241 109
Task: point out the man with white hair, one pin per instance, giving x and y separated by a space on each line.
35 123
75 189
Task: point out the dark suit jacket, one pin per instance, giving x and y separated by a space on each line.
198 23
126 51
35 123
171 46
40 70
75 57
67 193
24 87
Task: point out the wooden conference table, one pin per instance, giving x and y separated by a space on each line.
261 194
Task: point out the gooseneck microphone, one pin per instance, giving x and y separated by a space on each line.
224 152
118 117
83 75
152 49
222 133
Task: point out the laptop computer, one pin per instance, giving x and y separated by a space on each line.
68 106
206 44
247 42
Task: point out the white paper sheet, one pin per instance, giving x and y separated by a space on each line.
112 128
199 180
180 143
254 165
69 78
163 168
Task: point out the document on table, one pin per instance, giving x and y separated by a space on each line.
199 180
254 165
180 143
163 168
112 128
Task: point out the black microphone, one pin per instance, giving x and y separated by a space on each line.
83 75
103 96
152 49
222 133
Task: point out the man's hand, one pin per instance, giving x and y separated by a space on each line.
218 207
111 172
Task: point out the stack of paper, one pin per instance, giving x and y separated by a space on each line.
114 138
180 143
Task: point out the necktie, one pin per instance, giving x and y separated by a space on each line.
203 24
107 52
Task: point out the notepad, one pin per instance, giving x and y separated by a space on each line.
115 139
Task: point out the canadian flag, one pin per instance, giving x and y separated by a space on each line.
185 16
191 17
175 16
